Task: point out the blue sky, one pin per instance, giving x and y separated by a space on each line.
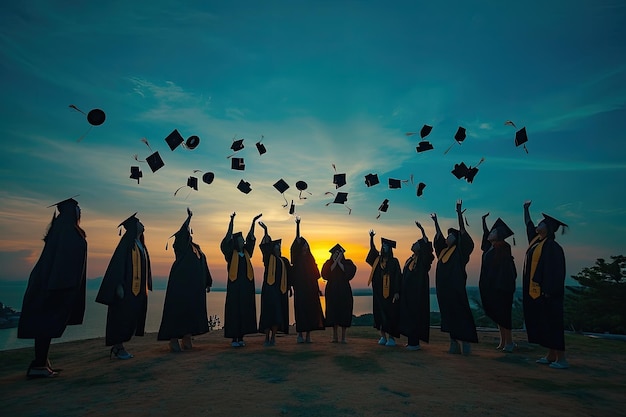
324 83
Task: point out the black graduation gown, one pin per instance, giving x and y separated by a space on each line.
240 305
306 299
450 280
415 294
184 310
55 295
386 312
497 281
126 316
338 293
274 303
544 316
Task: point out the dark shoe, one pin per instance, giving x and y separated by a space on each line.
455 348
175 346
509 348
40 372
120 353
467 348
187 344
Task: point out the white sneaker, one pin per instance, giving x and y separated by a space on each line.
382 341
391 342
416 347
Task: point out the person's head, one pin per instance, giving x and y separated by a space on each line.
543 230
494 235
415 247
453 237
69 209
276 247
238 241
549 226
336 251
304 246
386 248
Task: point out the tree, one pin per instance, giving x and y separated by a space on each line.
598 304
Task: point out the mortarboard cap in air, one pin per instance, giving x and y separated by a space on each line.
423 146
554 224
340 198
459 136
471 173
244 187
237 145
336 248
192 142
371 180
503 229
420 189
302 186
174 139
425 131
521 138
261 148
339 180
460 170
292 208
135 173
384 206
238 164
96 117
395 183
155 162
281 185
388 242
192 182
208 177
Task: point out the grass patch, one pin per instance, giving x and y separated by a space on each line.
358 364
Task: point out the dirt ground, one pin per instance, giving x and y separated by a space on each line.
360 378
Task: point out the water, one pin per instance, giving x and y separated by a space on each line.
94 322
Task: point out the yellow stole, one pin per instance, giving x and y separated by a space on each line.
136 259
534 289
234 266
271 273
444 255
386 277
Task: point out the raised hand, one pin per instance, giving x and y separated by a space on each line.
257 217
459 206
372 233
263 226
189 213
433 216
297 219
232 216
419 225
527 203
485 215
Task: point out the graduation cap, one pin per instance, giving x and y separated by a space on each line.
340 198
192 142
554 224
383 207
459 137
95 117
155 162
238 164
338 179
208 177
503 229
425 131
192 182
302 186
260 147
292 208
463 171
282 186
68 202
128 223
521 138
336 248
135 173
424 146
388 242
420 189
174 139
244 187
395 183
371 180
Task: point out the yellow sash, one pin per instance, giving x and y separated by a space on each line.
234 266
136 259
445 254
386 278
534 289
271 273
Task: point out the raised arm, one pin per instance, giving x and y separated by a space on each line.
229 232
459 214
251 231
485 228
188 220
297 227
266 236
437 228
419 226
527 218
372 234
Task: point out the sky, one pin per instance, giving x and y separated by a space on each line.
331 87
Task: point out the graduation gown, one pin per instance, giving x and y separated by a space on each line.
184 310
274 302
497 281
415 294
240 305
126 316
55 295
306 299
450 280
544 315
339 300
386 312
